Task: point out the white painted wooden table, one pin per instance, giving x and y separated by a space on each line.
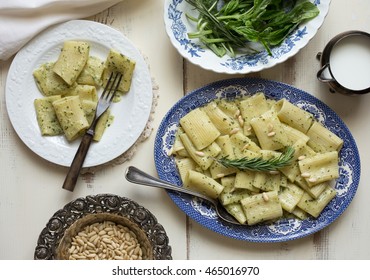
30 187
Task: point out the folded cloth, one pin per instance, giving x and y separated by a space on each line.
21 20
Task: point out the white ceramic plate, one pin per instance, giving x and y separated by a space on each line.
177 27
130 114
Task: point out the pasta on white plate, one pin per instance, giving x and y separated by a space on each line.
69 90
261 158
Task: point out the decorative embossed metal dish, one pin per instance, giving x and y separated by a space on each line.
99 208
284 229
177 27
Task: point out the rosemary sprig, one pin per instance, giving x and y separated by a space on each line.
260 164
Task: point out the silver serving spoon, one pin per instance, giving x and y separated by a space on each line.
134 175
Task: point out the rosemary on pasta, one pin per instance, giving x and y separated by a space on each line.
259 164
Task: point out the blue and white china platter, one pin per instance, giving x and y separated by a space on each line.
282 230
177 27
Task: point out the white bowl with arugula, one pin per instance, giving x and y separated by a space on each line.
242 36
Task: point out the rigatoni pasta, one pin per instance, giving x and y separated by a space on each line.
76 73
262 207
71 116
269 131
257 129
322 139
200 129
319 168
48 82
117 61
72 60
46 117
204 184
293 116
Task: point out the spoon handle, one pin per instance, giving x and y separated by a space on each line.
134 175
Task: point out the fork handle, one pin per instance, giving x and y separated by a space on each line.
74 171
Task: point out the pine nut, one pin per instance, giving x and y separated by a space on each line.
105 240
312 180
245 147
272 133
234 130
241 120
265 197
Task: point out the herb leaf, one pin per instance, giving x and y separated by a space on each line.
260 164
227 25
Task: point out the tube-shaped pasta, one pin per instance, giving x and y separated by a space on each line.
255 196
269 131
299 213
290 196
262 207
227 148
293 116
89 108
294 135
46 117
315 206
72 60
322 139
283 181
184 165
292 171
224 123
319 168
71 116
252 107
267 182
217 170
117 62
313 191
229 107
102 124
50 83
245 180
229 194
91 74
203 184
85 92
236 210
203 158
228 183
200 129
242 144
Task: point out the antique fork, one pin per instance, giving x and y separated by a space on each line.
103 104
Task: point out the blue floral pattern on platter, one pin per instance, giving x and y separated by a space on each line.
282 230
177 27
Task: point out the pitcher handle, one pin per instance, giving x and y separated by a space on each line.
321 78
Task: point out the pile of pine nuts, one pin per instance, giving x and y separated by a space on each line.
105 241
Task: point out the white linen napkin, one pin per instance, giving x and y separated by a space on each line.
21 20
